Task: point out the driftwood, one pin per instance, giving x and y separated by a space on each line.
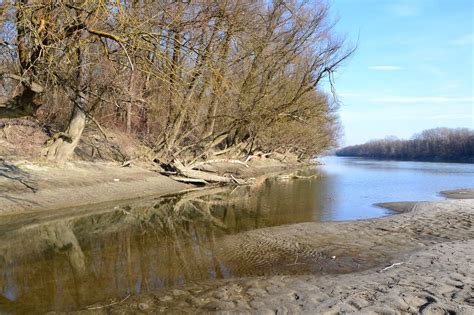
303 177
189 180
192 173
391 266
197 165
208 177
187 174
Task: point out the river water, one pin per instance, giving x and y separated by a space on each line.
67 260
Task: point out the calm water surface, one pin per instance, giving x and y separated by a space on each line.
353 185
69 260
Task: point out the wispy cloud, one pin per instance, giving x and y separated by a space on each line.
467 39
385 68
423 99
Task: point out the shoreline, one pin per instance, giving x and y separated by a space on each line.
458 193
420 261
30 187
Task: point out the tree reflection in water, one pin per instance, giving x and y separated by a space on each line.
72 262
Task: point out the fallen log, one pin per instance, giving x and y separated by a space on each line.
208 177
197 165
189 180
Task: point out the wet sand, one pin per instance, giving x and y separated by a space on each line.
458 194
421 261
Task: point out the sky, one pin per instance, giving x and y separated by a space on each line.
412 70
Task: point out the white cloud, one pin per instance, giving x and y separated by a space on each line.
385 68
423 99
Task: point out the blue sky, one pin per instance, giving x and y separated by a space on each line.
413 69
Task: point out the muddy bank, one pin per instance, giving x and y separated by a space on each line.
28 186
418 261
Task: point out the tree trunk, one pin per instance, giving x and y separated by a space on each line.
217 85
132 97
129 116
63 147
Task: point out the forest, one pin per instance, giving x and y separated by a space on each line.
438 144
189 79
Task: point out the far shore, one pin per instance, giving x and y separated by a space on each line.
433 160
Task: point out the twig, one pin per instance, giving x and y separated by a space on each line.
98 307
391 266
295 262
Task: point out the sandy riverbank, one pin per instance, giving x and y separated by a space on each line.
27 186
421 261
458 194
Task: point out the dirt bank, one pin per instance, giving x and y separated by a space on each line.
420 261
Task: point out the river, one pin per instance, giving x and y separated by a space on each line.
67 261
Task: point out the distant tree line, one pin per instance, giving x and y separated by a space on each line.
439 144
188 78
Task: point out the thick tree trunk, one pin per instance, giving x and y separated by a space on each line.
62 148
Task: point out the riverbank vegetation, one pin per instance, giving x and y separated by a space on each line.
190 80
439 144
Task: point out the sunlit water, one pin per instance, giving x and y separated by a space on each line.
67 261
353 185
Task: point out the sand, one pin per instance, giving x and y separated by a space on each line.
459 194
422 262
26 186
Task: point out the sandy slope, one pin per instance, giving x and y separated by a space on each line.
26 186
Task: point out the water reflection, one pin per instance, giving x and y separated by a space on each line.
69 263
66 261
